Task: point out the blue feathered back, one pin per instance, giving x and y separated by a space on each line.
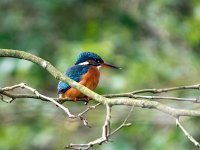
73 73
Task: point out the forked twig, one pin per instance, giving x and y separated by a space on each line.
23 85
129 94
4 91
102 139
88 109
80 115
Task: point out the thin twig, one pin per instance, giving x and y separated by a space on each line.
194 100
186 133
48 98
80 115
28 96
37 94
153 105
4 91
15 96
88 109
106 126
102 139
34 91
124 124
154 91
9 88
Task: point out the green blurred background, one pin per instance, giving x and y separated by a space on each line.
157 43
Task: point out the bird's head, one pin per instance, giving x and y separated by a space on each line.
89 58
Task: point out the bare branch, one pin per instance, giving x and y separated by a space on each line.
80 115
106 126
128 99
4 91
153 105
194 100
50 99
137 103
102 139
186 133
15 96
34 91
9 88
29 96
52 70
154 91
124 124
88 109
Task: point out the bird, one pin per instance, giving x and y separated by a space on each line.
86 72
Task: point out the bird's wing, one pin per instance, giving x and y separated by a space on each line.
73 73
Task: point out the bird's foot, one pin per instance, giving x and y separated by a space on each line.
75 99
87 99
60 101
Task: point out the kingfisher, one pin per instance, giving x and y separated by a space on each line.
86 72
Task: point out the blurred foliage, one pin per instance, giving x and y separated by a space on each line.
157 43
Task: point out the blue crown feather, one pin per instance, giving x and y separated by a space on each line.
87 56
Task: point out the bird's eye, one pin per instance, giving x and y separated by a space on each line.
98 61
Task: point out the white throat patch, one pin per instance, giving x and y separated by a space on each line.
98 67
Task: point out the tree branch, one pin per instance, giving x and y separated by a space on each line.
52 70
154 91
34 91
193 100
124 124
128 99
186 133
102 139
153 105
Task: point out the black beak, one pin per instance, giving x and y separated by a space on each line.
109 66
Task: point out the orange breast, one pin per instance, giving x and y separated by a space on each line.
90 80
